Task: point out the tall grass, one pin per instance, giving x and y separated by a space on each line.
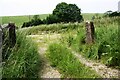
67 64
23 60
106 45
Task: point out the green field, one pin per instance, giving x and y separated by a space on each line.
88 16
19 20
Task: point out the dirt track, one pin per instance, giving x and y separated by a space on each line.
50 72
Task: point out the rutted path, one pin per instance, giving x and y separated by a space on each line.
101 69
50 72
47 71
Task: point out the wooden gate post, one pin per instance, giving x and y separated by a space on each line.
0 35
12 34
0 50
0 41
90 32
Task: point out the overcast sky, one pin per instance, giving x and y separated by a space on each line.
29 7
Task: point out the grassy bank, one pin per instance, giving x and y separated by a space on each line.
58 28
22 60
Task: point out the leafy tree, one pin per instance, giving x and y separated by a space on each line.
34 22
35 17
111 14
51 19
68 12
114 14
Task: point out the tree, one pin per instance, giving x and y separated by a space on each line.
111 14
33 22
68 12
51 19
106 14
35 17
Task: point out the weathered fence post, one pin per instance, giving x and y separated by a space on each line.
90 32
0 51
8 39
0 44
0 36
12 34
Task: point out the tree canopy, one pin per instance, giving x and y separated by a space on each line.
68 12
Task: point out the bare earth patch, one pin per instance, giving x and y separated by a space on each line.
47 71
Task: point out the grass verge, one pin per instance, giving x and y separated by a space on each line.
23 60
67 64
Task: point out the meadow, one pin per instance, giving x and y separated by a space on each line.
19 20
105 49
88 16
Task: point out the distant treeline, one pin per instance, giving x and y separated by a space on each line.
111 14
62 13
